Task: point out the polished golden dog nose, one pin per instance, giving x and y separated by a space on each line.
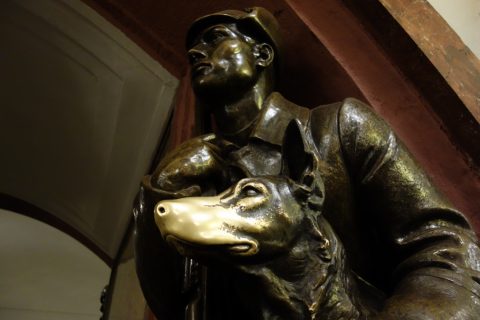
162 209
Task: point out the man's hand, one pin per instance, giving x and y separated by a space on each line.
196 166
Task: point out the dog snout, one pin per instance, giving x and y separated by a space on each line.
162 209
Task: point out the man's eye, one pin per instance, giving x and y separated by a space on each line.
251 191
215 36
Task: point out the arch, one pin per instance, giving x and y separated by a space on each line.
19 206
45 273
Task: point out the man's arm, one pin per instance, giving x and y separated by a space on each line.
159 269
433 252
190 169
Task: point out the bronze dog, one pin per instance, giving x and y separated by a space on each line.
270 230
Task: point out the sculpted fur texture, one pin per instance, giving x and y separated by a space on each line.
270 229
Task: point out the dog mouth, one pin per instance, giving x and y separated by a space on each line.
244 248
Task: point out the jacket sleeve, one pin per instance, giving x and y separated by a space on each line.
159 269
433 253
162 272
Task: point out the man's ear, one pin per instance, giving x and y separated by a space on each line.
264 54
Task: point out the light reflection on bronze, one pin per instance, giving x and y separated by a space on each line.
350 172
203 221
292 244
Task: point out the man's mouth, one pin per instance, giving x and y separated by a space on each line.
201 68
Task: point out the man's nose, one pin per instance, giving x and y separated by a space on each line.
195 55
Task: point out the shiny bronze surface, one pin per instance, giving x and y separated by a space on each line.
271 229
398 232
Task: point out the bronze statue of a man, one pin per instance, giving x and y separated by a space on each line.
399 233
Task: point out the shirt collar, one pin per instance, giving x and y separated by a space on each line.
276 114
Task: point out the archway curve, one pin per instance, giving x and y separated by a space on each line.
20 206
47 274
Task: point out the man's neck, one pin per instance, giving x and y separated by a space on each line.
236 119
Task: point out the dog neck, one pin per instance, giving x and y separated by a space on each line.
300 285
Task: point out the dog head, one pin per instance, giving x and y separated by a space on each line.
258 217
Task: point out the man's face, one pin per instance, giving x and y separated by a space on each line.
222 62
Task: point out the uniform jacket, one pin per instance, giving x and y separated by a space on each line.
399 232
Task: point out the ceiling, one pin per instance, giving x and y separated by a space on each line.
82 110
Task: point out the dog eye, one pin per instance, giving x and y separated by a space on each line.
251 191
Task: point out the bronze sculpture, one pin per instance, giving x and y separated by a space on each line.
399 233
271 230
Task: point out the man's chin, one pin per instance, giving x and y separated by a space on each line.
215 93
207 92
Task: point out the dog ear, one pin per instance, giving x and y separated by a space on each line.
295 159
300 165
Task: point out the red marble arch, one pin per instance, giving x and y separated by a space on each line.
335 49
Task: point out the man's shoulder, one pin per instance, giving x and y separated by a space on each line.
349 112
354 123
356 112
357 118
345 108
348 105
349 115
